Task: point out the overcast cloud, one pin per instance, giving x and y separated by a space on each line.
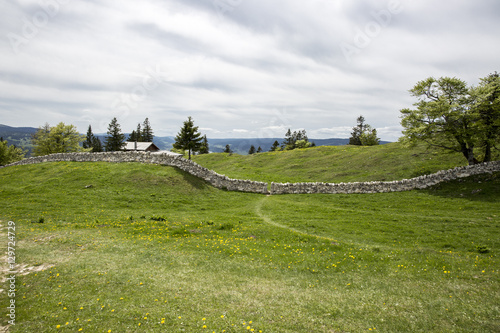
240 68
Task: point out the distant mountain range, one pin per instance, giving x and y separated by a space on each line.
21 137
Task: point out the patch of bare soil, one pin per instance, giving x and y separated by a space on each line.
21 269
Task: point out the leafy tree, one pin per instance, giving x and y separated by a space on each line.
58 139
251 150
454 117
486 107
302 144
188 138
357 130
115 139
41 141
10 154
147 132
227 149
291 140
204 149
275 146
369 137
363 134
92 141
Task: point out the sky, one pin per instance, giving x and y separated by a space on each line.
239 68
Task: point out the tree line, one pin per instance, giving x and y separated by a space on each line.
64 138
449 114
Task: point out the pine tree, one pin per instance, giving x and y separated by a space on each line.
288 141
204 149
147 132
115 138
132 137
91 141
88 139
96 145
188 138
259 150
275 146
228 150
357 130
251 150
138 133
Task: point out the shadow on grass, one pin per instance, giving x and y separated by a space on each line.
194 181
482 188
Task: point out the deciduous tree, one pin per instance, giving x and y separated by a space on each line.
10 154
61 138
452 116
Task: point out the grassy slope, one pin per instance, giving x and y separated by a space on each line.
333 164
238 261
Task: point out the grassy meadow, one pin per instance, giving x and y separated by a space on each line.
387 162
149 248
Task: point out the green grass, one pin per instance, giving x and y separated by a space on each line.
149 248
333 164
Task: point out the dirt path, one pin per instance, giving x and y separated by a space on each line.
268 220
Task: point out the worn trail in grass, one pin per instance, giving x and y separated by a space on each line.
268 220
148 248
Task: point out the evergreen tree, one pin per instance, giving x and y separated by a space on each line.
96 145
357 131
92 142
204 149
297 139
88 139
147 132
251 150
132 137
275 146
188 138
259 150
115 139
227 149
288 141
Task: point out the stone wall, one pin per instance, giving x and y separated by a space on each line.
223 182
213 178
393 186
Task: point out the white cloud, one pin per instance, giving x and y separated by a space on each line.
260 68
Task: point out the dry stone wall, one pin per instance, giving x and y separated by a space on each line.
393 186
223 182
215 179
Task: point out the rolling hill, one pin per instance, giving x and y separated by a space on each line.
387 162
